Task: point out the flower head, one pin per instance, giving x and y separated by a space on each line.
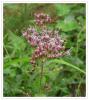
48 43
41 18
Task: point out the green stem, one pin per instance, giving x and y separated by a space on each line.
41 76
7 52
79 85
78 36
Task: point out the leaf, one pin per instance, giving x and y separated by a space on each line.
62 9
52 75
17 42
6 71
43 80
40 94
68 24
15 61
36 84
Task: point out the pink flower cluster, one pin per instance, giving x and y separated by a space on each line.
48 43
41 18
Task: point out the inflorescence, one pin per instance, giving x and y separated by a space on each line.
48 43
41 18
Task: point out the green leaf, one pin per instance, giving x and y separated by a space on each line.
16 42
52 75
36 84
62 9
68 24
15 61
43 80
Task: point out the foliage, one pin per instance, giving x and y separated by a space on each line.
61 77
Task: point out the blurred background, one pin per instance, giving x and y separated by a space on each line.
59 79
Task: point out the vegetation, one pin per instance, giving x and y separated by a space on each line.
62 76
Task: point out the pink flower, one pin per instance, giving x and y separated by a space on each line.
47 43
41 19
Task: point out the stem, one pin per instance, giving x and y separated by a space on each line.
7 52
77 45
41 76
79 85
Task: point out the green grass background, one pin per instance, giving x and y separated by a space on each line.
61 77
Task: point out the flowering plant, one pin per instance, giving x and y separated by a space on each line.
41 67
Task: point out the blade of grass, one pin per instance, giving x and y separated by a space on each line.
65 63
7 53
78 36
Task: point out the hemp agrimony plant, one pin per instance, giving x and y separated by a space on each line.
48 43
